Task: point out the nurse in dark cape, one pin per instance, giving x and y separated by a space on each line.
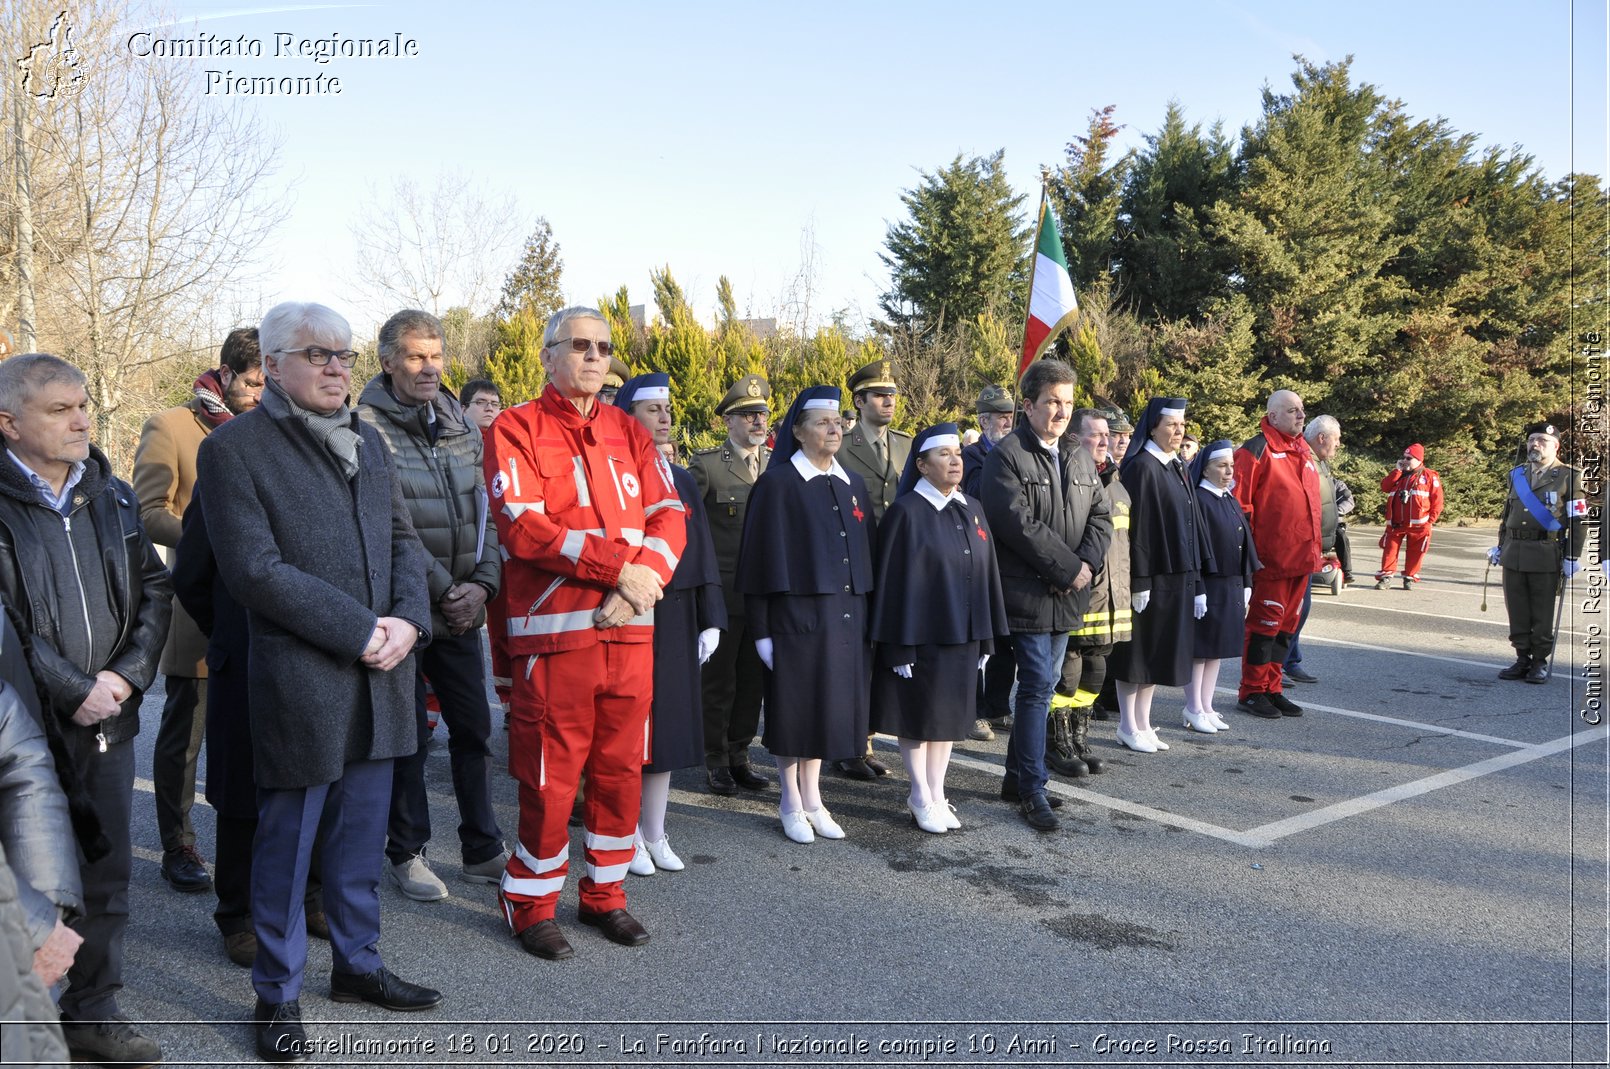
805 570
1166 555
1227 578
688 621
935 611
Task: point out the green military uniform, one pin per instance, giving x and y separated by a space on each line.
860 455
732 679
1532 558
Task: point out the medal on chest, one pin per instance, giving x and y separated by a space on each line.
855 506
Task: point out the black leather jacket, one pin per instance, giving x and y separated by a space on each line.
125 606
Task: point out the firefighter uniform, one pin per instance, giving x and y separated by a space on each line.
732 681
577 498
1536 538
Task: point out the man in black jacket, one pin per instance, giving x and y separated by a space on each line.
94 597
438 456
1052 525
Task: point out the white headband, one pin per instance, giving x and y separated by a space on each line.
819 402
1227 451
652 393
1171 412
938 440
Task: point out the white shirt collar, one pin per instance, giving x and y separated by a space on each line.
59 502
932 495
1210 488
1155 450
809 471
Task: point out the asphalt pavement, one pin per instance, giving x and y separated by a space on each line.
1412 873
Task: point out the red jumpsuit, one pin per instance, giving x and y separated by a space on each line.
1413 504
576 499
1277 486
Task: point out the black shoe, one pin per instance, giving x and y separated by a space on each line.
184 870
856 769
1036 811
1408 584
1538 672
1009 794
878 767
1260 705
241 948
1001 723
280 1037
1100 712
617 925
113 1041
747 778
721 781
1285 705
318 925
383 988
1297 675
1518 670
545 940
1380 584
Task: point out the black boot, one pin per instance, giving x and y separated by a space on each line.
1081 742
1539 670
1518 670
1060 755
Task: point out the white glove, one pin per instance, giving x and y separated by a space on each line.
763 647
1246 597
1139 600
1494 555
1570 567
984 659
709 639
1199 606
903 671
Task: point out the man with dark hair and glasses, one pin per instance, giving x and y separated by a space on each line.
482 402
732 678
592 529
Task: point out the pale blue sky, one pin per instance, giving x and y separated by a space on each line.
715 136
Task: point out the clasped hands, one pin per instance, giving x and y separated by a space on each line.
635 593
393 639
461 604
105 699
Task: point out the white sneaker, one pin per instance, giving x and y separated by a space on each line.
415 879
642 864
664 857
797 828
824 824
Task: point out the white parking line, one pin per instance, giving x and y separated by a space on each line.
1267 834
1417 725
1322 640
1489 620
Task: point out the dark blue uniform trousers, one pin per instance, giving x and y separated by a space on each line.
351 815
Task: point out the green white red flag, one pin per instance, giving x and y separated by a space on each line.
1051 302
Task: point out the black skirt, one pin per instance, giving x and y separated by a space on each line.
937 704
1221 633
1160 650
816 697
678 712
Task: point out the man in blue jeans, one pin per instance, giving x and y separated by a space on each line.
1051 518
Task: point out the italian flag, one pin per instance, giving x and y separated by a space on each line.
1051 303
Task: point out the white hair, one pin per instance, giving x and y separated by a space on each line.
294 324
1322 425
564 315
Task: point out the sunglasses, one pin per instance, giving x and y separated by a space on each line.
581 345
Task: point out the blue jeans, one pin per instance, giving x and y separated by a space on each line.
1039 665
1295 657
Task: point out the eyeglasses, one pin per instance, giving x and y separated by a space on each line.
486 402
581 345
754 417
319 357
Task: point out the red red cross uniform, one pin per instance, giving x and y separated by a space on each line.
1413 504
576 498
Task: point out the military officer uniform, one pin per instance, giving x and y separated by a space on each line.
879 468
1540 537
732 679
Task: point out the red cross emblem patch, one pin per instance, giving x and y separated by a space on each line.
856 506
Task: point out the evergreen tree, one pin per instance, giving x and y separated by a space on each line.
535 281
1086 192
962 249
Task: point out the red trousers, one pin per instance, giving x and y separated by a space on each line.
1419 539
578 711
1272 619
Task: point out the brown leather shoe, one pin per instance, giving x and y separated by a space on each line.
318 925
545 940
617 925
241 948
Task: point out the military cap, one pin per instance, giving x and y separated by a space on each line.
1119 423
617 375
749 394
1543 428
994 399
878 375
